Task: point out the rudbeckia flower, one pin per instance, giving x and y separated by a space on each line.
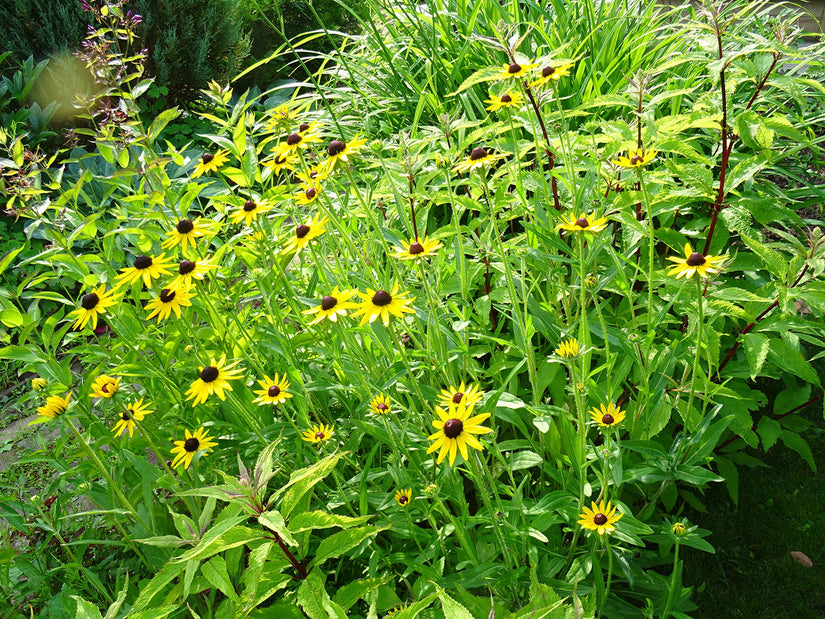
455 431
582 223
417 249
304 233
382 303
168 301
92 304
214 378
568 348
250 211
636 158
185 450
332 306
599 517
273 391
550 73
318 434
297 141
38 383
190 270
135 411
607 416
54 406
380 405
281 162
470 395
403 497
308 194
210 163
338 150
508 99
678 528
146 268
104 386
694 262
514 70
184 233
478 158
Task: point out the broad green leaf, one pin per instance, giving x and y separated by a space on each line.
315 601
785 357
774 262
215 572
160 122
307 521
350 593
12 318
8 257
213 544
757 347
452 609
798 444
302 481
769 430
166 575
343 541
274 521
86 610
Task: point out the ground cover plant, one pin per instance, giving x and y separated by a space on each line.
465 352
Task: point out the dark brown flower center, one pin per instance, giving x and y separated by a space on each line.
608 419
636 160
185 226
313 174
695 259
382 407
581 222
320 436
453 427
328 302
166 295
274 391
301 231
403 499
336 147
89 301
303 127
143 262
186 266
599 519
191 445
207 157
311 193
547 71
478 153
416 248
506 99
457 397
249 205
105 387
293 139
209 373
127 414
280 160
514 68
381 298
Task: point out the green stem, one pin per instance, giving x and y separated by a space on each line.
671 595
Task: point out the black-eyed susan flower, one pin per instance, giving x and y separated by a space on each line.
679 529
273 390
249 211
479 158
280 163
332 306
636 158
403 497
568 348
297 141
146 268
550 73
213 378
694 262
380 303
184 233
92 304
210 163
195 443
338 150
133 412
281 116
313 176
308 194
417 249
582 223
514 70
190 270
508 99
455 431
168 301
305 232
104 386
599 517
39 383
55 406
470 395
607 416
318 434
380 405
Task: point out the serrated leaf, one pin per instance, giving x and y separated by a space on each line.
302 481
769 430
798 444
339 543
307 521
274 521
757 346
774 262
452 609
784 356
215 572
315 601
85 610
737 219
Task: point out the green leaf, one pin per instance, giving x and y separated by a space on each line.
302 481
11 317
757 346
274 521
8 257
452 609
114 608
774 262
798 444
343 541
315 601
307 521
160 122
215 572
769 430
166 575
86 610
350 593
21 353
787 358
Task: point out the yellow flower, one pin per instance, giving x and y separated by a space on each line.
273 391
418 249
514 70
104 386
184 233
470 395
185 450
189 270
551 73
403 497
332 305
455 431
39 383
694 262
582 223
478 158
338 150
214 378
380 405
304 233
508 99
249 211
308 194
382 303
318 434
135 411
599 517
92 304
168 301
313 176
281 162
679 528
210 163
568 348
607 416
54 406
146 268
636 158
297 141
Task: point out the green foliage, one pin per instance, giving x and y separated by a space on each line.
40 28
